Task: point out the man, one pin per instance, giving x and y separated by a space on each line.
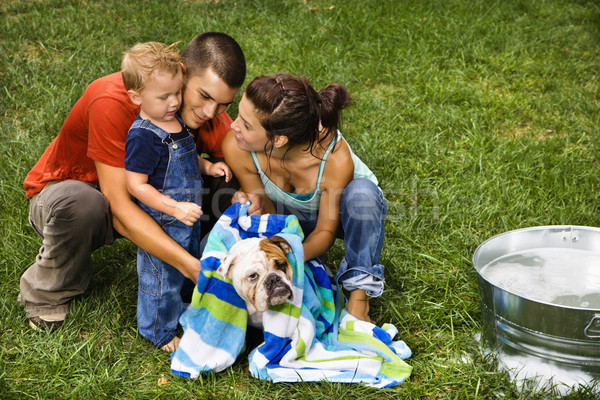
77 190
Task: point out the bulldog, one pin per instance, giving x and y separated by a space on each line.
261 274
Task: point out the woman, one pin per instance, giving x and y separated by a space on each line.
289 157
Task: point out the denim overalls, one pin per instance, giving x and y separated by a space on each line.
159 298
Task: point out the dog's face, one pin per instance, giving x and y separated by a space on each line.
260 271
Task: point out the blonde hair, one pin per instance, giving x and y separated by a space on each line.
141 60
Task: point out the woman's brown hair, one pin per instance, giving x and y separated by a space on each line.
289 106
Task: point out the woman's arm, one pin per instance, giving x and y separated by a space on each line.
338 172
242 166
322 237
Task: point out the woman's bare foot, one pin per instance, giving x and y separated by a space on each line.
172 345
358 305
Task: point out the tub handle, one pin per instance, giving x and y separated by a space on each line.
592 329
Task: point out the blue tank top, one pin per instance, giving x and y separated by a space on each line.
309 202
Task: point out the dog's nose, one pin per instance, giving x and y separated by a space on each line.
272 280
277 288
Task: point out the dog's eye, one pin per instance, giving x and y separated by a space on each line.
280 265
253 276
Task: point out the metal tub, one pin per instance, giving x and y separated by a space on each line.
518 323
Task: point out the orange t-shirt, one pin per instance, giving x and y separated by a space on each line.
96 130
210 135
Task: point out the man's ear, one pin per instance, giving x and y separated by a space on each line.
134 96
182 69
280 141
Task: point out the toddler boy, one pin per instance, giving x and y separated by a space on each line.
163 172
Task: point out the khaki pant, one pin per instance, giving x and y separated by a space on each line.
73 220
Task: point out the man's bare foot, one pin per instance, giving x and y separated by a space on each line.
358 305
172 345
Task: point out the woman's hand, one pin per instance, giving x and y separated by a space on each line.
256 201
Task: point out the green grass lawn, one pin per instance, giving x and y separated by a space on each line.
478 117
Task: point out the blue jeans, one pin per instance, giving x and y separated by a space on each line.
160 284
362 216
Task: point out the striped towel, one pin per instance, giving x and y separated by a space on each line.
309 338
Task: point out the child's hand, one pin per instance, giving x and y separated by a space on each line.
188 213
220 169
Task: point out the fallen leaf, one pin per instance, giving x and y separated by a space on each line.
162 381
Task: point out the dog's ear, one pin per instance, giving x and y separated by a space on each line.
281 243
225 266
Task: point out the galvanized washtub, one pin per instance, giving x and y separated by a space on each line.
539 289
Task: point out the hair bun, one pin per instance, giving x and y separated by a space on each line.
334 98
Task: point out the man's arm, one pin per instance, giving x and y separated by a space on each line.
136 225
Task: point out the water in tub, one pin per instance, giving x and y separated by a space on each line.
564 277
